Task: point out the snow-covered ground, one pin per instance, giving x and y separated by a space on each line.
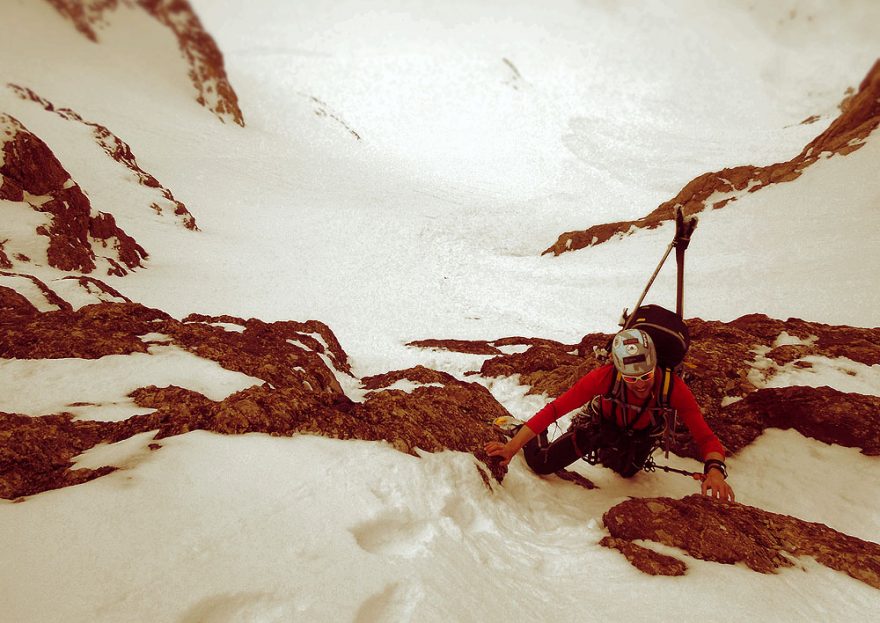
485 130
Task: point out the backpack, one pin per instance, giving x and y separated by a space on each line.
667 330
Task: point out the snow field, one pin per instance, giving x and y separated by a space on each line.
234 527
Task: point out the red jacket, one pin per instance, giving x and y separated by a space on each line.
597 382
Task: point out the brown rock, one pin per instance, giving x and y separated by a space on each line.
103 227
730 533
549 369
644 559
90 283
718 366
300 394
857 120
117 149
50 295
88 333
457 416
418 374
30 165
576 478
35 453
783 355
471 347
13 304
207 70
9 190
850 420
4 259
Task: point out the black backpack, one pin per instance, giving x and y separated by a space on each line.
671 340
668 331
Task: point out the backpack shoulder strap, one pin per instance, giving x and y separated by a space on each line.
667 382
613 392
614 386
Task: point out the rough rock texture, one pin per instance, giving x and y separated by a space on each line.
13 305
733 361
120 151
29 166
731 533
207 71
314 335
35 453
91 332
851 420
471 347
860 115
645 559
418 374
547 366
298 361
4 259
481 347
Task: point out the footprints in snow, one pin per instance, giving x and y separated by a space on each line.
396 536
396 604
398 533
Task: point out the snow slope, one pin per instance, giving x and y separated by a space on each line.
403 165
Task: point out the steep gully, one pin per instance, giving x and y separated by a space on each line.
300 362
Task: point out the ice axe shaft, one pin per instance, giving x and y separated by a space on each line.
627 318
683 230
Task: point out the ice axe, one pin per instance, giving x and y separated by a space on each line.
684 227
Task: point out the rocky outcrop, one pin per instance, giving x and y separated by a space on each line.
98 287
206 66
471 347
35 453
547 367
644 559
726 368
29 166
298 363
481 347
846 419
860 115
417 374
13 305
734 533
4 259
91 332
119 151
51 297
314 335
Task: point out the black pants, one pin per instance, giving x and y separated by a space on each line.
624 452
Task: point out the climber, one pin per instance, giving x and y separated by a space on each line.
623 422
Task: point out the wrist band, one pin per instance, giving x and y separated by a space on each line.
719 465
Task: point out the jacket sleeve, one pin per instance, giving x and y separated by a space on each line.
587 387
683 401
